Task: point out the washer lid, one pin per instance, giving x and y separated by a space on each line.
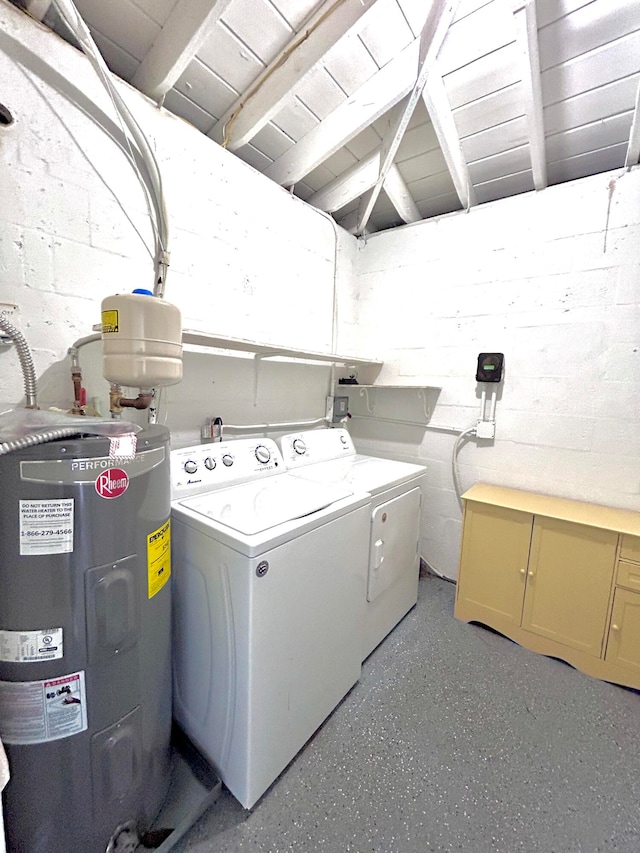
251 508
362 473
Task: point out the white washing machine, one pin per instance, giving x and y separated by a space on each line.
393 562
269 588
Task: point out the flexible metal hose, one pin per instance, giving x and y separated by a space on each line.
26 361
38 438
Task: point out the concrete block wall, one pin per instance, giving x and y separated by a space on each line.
248 259
552 279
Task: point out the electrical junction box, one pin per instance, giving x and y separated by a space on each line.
340 408
490 366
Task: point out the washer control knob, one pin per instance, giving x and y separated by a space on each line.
227 460
190 466
263 454
209 463
299 446
343 439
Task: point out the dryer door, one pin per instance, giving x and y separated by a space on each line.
393 547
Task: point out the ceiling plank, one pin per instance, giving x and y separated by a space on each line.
381 92
189 25
633 149
439 17
277 83
524 12
439 109
399 195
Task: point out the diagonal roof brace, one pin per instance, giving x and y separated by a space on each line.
433 34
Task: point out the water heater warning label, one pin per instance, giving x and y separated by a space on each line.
46 527
31 646
42 711
159 558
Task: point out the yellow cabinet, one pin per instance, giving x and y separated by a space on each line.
623 647
544 571
492 578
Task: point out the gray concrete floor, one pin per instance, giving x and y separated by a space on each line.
454 739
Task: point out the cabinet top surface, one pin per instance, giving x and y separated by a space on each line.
579 512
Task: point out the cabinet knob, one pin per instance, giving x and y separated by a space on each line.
615 627
530 574
523 571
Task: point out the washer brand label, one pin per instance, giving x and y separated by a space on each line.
72 471
112 483
110 324
46 527
42 711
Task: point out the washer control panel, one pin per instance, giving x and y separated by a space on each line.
315 445
204 467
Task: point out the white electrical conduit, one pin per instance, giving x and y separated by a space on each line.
71 17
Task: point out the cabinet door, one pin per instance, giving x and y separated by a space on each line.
568 584
493 562
623 647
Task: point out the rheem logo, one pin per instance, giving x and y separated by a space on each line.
112 483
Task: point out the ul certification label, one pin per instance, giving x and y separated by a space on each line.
46 527
42 711
159 558
29 646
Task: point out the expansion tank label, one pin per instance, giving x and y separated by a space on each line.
159 558
46 527
42 711
110 323
31 646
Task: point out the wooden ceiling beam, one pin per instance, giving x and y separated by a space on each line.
524 12
189 25
334 20
380 93
633 148
349 185
439 17
441 115
400 197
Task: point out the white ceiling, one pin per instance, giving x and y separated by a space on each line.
382 112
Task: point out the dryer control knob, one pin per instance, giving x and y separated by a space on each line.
343 439
299 446
263 454
209 463
191 467
227 460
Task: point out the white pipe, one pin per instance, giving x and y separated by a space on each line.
483 402
285 425
494 398
420 424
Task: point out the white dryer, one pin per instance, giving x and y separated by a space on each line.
328 456
269 588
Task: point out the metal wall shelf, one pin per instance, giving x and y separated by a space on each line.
204 339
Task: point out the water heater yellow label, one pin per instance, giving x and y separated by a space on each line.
159 558
109 322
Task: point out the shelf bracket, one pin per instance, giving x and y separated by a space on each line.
422 395
257 361
364 392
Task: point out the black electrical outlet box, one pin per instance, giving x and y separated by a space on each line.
490 366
